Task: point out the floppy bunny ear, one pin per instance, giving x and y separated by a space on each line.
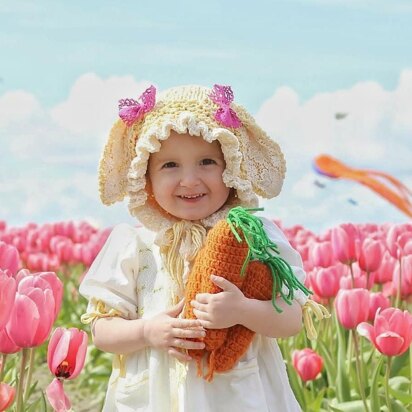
115 163
263 160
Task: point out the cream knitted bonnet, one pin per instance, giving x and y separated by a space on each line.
254 163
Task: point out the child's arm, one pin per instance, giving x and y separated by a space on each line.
231 307
164 331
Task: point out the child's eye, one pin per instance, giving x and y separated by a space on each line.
208 162
169 165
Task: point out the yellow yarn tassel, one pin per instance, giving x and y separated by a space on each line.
183 241
320 312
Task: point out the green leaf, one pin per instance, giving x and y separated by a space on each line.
316 403
402 396
352 406
397 407
399 362
374 396
342 382
296 386
330 365
399 383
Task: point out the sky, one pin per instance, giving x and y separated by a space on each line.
293 64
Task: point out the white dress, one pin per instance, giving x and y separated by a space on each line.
128 277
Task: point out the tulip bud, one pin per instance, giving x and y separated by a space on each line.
7 395
345 243
370 255
352 307
307 363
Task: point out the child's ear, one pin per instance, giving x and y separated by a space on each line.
115 163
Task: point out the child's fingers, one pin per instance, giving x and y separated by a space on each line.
179 355
200 315
186 324
175 310
197 333
199 306
203 297
223 283
187 344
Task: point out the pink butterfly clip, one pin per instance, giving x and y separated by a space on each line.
131 111
223 96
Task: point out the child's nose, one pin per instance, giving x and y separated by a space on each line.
189 179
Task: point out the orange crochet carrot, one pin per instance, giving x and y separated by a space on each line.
222 254
258 284
228 250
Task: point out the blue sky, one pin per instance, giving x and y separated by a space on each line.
284 59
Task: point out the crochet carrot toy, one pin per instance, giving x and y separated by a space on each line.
239 250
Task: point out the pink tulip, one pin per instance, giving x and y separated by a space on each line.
7 395
56 396
33 313
352 307
8 288
391 332
358 282
307 363
370 255
9 258
39 279
397 238
63 248
7 346
403 274
66 352
322 254
385 272
42 262
376 301
345 243
325 281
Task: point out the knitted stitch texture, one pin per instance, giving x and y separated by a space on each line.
224 255
221 254
231 250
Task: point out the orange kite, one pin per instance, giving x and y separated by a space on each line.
388 187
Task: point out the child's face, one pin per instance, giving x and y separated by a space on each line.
186 176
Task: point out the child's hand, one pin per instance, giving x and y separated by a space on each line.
168 332
219 310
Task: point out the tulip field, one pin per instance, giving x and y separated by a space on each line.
361 360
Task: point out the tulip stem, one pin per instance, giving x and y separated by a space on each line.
30 373
398 293
387 375
2 365
19 394
352 274
358 370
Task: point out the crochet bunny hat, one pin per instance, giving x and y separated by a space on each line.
254 162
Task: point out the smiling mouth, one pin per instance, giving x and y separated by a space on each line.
198 196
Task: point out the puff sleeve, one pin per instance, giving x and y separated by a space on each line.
110 283
289 254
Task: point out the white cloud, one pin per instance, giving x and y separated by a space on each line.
17 107
364 127
92 103
49 171
372 122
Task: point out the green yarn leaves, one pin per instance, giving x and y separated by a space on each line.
263 249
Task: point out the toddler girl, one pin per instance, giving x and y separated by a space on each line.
184 159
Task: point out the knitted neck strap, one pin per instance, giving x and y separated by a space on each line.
263 249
